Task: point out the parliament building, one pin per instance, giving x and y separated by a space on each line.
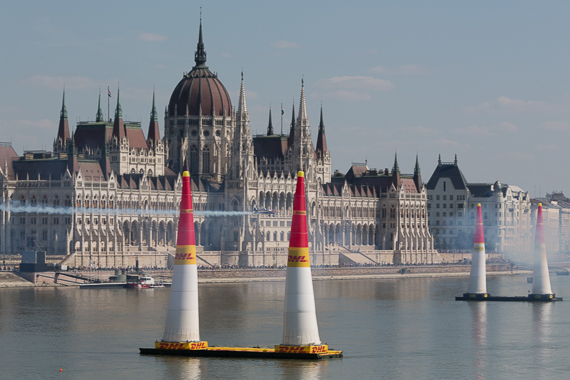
107 196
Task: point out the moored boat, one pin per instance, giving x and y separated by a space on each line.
143 282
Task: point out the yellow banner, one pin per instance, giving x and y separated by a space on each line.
181 345
299 212
298 257
185 255
322 349
186 211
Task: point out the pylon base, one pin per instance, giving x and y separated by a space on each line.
248 352
490 298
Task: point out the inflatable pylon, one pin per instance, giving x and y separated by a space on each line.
541 277
182 330
478 277
300 330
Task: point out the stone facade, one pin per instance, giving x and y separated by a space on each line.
107 196
452 204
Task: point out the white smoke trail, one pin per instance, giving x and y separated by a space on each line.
119 212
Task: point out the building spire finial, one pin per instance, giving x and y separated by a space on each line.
200 55
242 107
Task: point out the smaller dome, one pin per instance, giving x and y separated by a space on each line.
497 186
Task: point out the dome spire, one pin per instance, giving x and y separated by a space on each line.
200 55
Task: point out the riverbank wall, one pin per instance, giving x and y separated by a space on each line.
267 274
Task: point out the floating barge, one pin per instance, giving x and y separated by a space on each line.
242 352
529 298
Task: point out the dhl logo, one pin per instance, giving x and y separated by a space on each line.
186 211
302 349
296 259
184 256
182 346
478 248
299 212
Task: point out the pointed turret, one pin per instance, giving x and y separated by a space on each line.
291 139
541 278
418 175
396 172
99 117
182 318
242 107
270 125
153 131
321 138
200 55
302 119
118 127
63 130
478 276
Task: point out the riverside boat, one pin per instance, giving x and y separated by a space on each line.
143 282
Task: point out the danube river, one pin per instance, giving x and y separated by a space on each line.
409 328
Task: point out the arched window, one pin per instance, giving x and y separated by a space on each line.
206 160
194 159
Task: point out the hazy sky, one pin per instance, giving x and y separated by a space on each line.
488 80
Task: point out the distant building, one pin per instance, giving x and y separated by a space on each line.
452 204
107 195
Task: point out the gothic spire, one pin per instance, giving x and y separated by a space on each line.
242 107
153 131
321 138
63 130
99 117
396 172
302 118
396 168
291 139
417 167
270 125
418 175
118 126
200 55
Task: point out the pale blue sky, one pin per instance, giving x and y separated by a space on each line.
487 80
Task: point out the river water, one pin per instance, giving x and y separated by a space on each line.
409 328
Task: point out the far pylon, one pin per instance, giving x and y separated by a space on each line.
477 287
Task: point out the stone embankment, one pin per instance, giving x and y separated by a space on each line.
12 279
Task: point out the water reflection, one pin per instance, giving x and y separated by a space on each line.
306 370
541 335
479 337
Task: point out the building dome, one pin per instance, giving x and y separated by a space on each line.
200 89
